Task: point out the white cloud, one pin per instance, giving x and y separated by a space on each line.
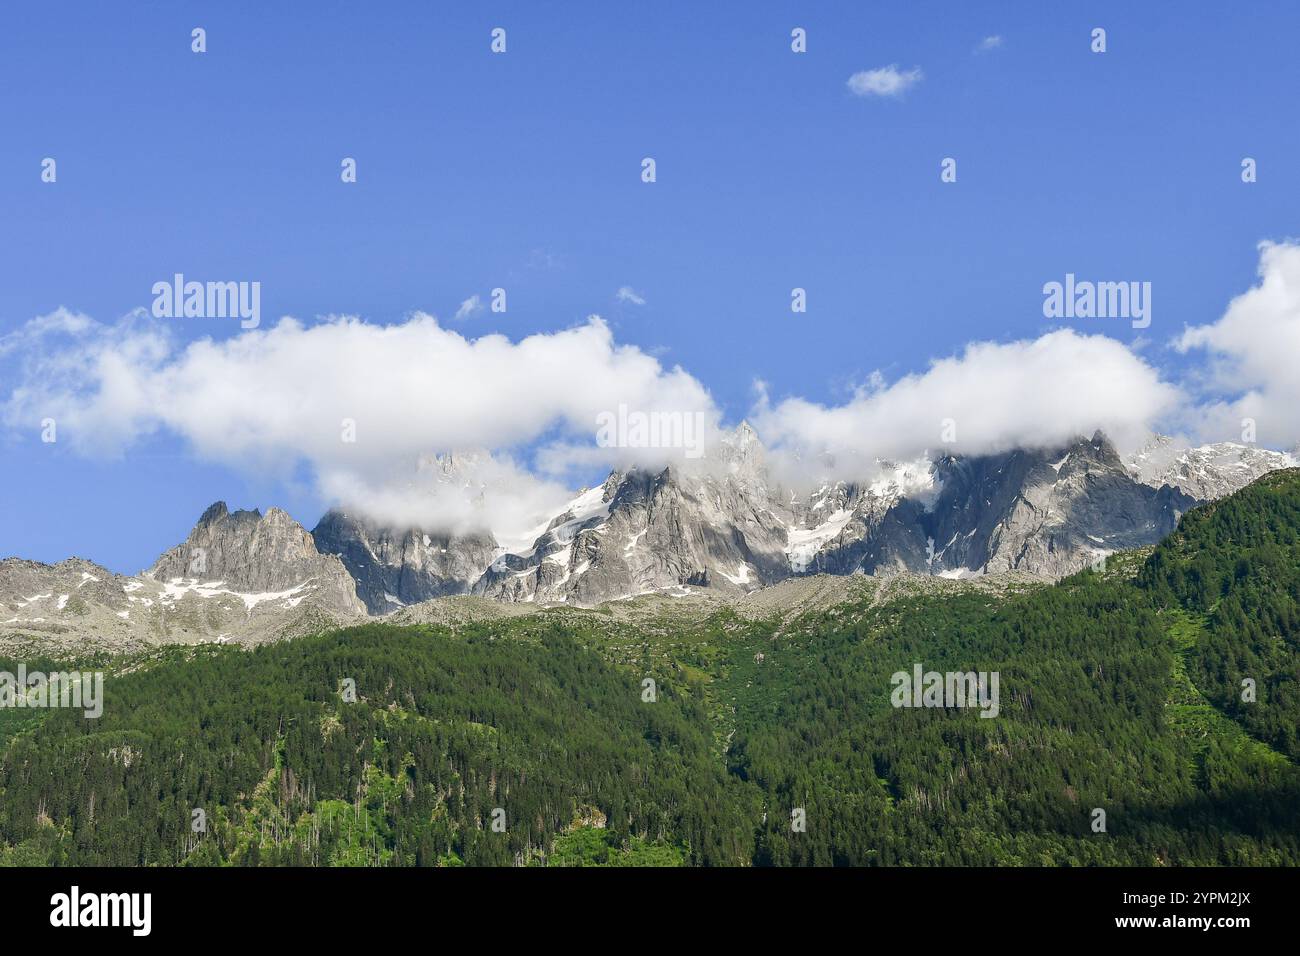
269 400
989 43
628 294
1036 393
466 491
274 399
470 306
884 81
60 320
1254 354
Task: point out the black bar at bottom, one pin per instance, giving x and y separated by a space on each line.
332 906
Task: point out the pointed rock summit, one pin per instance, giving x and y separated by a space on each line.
251 553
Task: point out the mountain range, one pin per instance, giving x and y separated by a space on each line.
726 529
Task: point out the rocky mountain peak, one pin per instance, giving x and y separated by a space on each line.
1042 511
1102 450
215 512
252 553
251 576
393 567
1206 472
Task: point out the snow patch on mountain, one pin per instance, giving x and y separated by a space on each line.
804 543
177 588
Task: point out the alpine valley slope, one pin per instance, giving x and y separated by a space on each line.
725 529
1120 690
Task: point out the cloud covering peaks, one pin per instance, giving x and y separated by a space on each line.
365 408
992 397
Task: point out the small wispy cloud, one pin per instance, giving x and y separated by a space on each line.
628 294
471 306
884 81
989 43
543 259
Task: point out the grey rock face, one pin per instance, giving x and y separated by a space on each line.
1207 472
395 567
849 528
642 532
1045 513
252 553
1048 513
67 605
29 589
76 606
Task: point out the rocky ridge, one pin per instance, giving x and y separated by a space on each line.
669 540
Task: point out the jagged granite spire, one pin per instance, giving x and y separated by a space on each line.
254 553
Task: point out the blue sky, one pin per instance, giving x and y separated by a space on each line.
522 171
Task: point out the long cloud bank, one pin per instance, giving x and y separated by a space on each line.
368 406
990 398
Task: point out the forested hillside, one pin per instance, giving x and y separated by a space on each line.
1234 566
1120 692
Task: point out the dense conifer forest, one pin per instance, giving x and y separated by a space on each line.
537 740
